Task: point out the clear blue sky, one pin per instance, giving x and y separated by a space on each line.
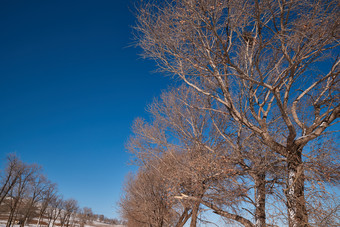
70 88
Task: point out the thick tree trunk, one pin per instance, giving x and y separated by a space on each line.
245 222
194 214
260 200
220 212
296 203
184 217
12 216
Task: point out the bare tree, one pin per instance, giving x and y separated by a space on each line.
205 157
323 175
18 194
85 216
146 202
14 168
264 61
69 208
54 209
151 142
36 188
27 194
48 195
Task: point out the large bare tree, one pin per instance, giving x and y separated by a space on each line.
205 157
264 61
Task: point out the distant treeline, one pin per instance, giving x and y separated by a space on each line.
28 197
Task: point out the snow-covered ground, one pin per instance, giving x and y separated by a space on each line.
95 224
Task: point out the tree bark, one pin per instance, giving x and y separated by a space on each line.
235 217
12 215
194 214
10 219
218 211
184 217
260 200
39 219
27 214
296 204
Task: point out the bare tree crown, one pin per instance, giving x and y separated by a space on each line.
260 59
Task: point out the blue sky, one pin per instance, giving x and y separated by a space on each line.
70 88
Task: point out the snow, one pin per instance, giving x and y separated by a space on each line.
95 224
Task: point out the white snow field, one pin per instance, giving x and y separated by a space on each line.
94 224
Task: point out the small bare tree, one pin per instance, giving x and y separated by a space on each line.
48 195
54 209
69 208
85 216
146 202
14 169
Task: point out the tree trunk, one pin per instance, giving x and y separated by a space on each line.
49 222
68 220
220 212
38 222
56 216
54 220
184 217
12 215
296 204
10 220
260 200
27 214
194 214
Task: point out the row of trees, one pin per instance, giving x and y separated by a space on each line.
191 158
249 133
27 195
